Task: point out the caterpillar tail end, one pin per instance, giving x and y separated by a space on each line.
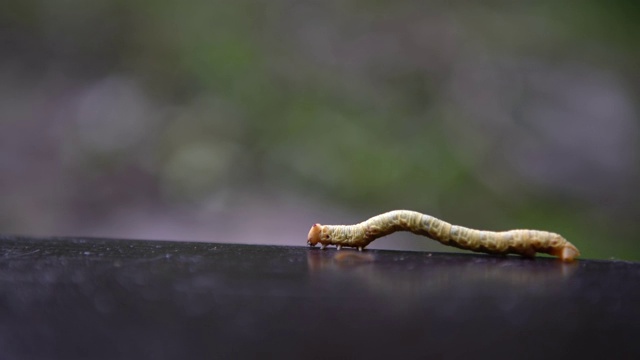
568 252
314 235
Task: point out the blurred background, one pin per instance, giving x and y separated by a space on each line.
248 121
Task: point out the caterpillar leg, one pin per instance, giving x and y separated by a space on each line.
527 254
338 247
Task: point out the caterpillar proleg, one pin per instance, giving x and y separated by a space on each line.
523 242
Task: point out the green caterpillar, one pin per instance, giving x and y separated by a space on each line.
523 242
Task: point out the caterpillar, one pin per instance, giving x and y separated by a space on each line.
522 242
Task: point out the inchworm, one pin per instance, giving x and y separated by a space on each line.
523 242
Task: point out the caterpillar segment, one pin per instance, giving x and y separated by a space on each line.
522 242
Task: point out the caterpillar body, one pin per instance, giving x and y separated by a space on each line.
523 242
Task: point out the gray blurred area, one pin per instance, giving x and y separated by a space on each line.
248 121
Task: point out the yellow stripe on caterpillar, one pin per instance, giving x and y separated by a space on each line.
523 242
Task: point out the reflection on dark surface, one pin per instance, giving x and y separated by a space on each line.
395 272
106 299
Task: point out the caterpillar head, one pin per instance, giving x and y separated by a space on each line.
314 235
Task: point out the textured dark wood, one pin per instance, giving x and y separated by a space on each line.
107 299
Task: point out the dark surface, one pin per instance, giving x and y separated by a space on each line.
105 299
